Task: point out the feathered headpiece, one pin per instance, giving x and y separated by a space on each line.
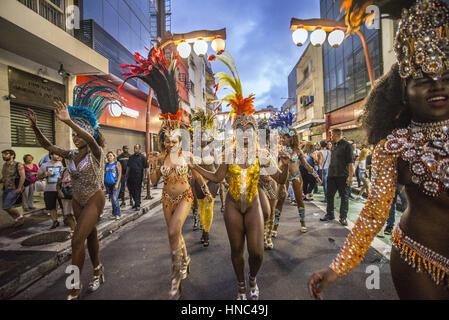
205 120
242 108
160 74
422 42
282 122
90 99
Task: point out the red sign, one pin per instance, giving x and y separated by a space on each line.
132 117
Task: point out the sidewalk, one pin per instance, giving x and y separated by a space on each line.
29 252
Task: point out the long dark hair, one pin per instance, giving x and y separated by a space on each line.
386 108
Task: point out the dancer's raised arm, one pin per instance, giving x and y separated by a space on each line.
43 141
62 113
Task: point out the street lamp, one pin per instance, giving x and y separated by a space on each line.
319 27
318 37
199 39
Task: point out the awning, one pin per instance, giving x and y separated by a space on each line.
303 126
346 125
27 34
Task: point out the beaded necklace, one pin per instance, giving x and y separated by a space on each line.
425 146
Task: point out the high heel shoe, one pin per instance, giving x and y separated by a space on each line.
203 237
241 293
97 280
75 297
206 239
176 275
253 289
185 269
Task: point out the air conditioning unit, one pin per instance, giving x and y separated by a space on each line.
306 100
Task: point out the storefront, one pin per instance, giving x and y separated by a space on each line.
27 90
127 126
347 119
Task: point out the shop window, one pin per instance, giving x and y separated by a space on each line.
21 134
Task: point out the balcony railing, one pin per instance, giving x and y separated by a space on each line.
52 10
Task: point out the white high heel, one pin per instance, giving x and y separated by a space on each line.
241 296
253 290
97 281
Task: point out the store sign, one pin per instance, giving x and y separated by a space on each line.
33 90
116 110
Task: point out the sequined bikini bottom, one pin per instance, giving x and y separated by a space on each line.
420 257
172 202
293 177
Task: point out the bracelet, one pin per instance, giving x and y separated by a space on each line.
205 189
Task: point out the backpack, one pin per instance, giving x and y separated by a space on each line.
111 174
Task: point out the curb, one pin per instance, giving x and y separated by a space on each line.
26 279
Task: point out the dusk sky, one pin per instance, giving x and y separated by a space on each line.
258 37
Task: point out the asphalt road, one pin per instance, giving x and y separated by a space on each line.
137 264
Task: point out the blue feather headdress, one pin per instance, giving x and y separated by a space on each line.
282 122
90 99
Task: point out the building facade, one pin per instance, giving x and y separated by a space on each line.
291 102
117 29
39 61
310 123
346 78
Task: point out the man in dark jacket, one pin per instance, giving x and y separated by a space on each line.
137 166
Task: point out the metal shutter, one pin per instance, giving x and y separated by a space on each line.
22 135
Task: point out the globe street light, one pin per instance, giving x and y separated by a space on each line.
336 38
218 45
300 36
318 37
200 47
184 49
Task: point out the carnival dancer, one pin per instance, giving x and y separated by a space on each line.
177 197
203 122
291 145
86 167
243 214
268 188
415 153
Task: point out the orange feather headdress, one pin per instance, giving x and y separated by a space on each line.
242 108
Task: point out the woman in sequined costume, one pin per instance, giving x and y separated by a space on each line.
415 155
290 142
159 72
243 214
86 168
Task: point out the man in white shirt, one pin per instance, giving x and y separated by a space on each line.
50 171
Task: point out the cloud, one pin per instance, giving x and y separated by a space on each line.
258 37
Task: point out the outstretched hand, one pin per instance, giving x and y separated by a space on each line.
61 111
31 116
320 280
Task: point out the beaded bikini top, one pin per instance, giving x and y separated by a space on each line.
425 146
178 170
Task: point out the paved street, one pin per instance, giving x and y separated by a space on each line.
137 263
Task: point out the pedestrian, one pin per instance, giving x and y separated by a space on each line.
406 113
363 175
113 175
13 179
324 166
339 178
51 171
65 194
28 191
123 159
400 193
135 171
118 152
86 167
310 179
